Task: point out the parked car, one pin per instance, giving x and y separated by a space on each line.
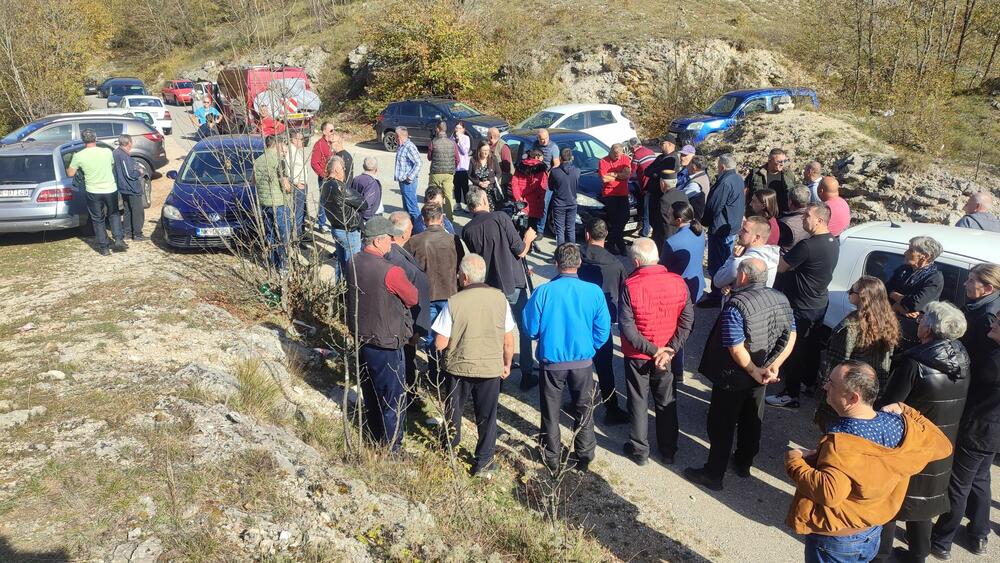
121 87
285 90
587 152
36 194
606 122
90 86
734 106
421 116
201 89
145 116
154 106
147 143
876 249
212 202
177 92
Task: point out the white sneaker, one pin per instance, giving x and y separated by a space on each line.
782 400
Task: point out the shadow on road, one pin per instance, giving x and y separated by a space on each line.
10 555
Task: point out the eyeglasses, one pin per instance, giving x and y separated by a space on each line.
781 161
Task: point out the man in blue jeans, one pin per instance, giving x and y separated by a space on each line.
270 172
407 173
856 478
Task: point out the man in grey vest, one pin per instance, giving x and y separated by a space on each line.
474 332
444 157
752 337
378 298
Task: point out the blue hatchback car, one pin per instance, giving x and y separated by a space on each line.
212 202
734 106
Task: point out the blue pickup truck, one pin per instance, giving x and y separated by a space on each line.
733 106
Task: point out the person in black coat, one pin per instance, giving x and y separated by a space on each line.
563 183
915 284
981 308
664 168
399 256
128 178
606 270
343 206
933 378
978 443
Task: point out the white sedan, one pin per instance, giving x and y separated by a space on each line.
152 105
606 122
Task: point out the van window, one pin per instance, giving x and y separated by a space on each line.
882 265
61 132
755 105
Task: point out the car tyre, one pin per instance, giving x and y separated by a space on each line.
390 141
167 131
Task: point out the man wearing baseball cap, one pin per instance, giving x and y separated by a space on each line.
379 296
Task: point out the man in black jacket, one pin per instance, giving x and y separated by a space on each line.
344 208
420 313
492 235
723 219
752 337
129 181
665 167
606 270
563 182
774 174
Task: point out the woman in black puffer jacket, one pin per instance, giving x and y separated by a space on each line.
932 377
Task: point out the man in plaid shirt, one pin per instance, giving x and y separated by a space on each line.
407 172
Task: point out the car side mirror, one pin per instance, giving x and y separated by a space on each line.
172 174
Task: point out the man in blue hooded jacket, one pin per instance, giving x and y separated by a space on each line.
569 318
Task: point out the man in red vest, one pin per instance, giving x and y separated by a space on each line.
655 316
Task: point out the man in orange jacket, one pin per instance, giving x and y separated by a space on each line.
856 478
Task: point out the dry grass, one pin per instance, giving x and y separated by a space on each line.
258 394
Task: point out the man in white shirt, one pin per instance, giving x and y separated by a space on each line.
751 243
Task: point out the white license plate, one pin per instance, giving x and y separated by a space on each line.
631 225
215 232
16 193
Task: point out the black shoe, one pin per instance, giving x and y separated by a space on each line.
581 465
630 453
906 556
528 380
615 416
740 470
940 554
700 476
666 459
978 545
119 246
139 238
104 252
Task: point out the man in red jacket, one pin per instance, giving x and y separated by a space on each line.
642 157
321 153
655 316
614 171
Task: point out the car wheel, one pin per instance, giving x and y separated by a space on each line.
146 182
167 131
390 141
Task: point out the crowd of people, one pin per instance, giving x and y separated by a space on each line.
907 384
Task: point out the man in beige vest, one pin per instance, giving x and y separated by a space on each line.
475 334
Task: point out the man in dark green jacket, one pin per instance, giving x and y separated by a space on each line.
270 174
776 175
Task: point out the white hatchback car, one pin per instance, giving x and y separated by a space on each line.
876 249
606 122
152 105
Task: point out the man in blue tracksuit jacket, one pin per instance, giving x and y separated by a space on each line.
569 318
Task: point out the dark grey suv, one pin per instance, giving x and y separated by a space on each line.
420 117
147 143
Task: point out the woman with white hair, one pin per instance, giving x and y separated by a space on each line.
914 284
932 377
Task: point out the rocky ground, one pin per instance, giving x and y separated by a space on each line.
879 183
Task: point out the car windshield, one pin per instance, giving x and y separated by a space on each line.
145 103
26 169
460 110
184 85
127 90
724 106
540 120
587 153
18 134
218 166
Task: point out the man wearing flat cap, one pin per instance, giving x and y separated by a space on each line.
379 296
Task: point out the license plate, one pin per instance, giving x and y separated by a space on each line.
215 232
631 225
295 116
16 193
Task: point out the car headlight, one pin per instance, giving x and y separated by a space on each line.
695 126
112 104
172 213
587 201
481 130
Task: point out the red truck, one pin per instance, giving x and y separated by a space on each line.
249 94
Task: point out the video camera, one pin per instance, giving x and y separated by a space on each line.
518 215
